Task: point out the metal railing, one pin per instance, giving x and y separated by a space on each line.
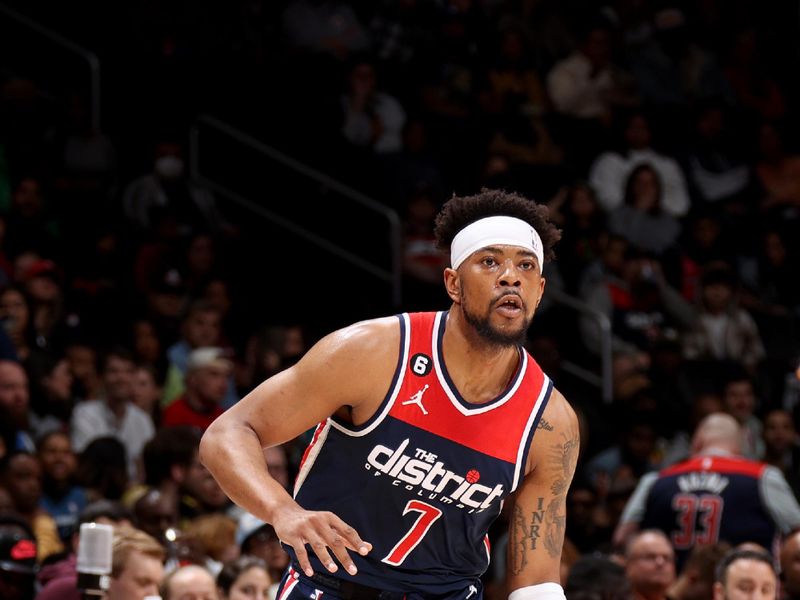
604 380
88 56
392 275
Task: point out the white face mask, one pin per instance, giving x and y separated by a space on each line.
169 167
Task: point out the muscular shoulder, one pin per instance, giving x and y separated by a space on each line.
362 343
357 361
557 433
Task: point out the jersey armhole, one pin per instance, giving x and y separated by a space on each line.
391 395
530 431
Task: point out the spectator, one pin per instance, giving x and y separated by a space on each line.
611 169
715 163
583 224
28 224
82 359
207 375
331 28
15 312
750 78
166 193
21 475
642 306
258 538
723 331
696 579
781 447
650 565
245 578
586 88
746 572
17 558
156 513
61 498
59 580
790 566
629 459
704 403
777 170
641 218
103 469
770 287
114 414
372 119
136 565
43 282
189 582
422 260
739 400
51 392
171 464
212 537
673 70
597 577
14 402
201 327
743 500
147 391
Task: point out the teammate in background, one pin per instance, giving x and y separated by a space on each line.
426 422
715 495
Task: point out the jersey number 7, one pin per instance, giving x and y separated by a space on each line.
427 516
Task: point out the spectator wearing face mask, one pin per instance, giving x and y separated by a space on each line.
166 195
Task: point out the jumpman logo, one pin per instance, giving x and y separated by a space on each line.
472 590
417 399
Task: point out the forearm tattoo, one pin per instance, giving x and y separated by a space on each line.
549 522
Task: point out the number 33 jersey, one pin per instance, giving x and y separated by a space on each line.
427 474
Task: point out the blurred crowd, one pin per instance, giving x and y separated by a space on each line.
661 135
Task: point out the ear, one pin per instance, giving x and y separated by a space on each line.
452 284
542 285
719 591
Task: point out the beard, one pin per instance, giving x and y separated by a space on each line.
490 334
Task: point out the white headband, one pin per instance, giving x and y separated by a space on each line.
494 231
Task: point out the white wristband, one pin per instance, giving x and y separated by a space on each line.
541 591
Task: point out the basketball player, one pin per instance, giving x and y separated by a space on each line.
426 423
715 495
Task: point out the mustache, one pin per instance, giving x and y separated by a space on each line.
517 295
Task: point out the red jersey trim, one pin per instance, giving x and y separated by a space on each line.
718 464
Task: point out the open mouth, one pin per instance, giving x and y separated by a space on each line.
509 303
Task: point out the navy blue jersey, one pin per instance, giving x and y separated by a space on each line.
424 478
708 499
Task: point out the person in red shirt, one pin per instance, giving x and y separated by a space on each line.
206 384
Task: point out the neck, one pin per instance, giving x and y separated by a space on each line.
654 594
117 406
678 589
195 402
480 370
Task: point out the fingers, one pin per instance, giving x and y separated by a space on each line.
350 536
302 559
328 533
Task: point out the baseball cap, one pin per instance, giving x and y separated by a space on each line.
208 356
17 549
41 268
248 525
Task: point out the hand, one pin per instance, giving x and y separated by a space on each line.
323 531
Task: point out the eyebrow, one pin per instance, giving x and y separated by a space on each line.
498 250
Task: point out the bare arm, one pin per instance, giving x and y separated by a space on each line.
350 370
538 518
